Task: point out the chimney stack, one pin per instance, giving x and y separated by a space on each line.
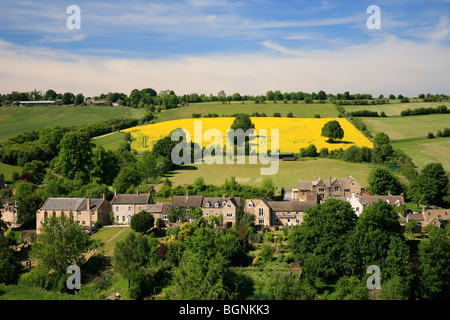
137 191
104 197
88 204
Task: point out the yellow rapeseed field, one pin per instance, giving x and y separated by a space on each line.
294 133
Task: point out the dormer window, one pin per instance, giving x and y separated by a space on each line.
216 205
207 205
250 204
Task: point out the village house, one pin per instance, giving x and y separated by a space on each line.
8 213
86 211
124 206
435 217
277 213
320 190
159 210
358 202
226 206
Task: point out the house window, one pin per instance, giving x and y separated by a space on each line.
439 217
129 208
336 189
140 208
357 209
297 221
260 221
164 216
71 215
229 205
216 214
224 203
117 218
45 215
321 190
261 212
207 205
216 205
229 215
117 208
206 214
83 222
123 218
250 205
54 214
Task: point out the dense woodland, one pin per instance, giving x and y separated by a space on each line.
199 260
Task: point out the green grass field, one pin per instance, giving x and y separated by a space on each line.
15 120
398 128
110 141
288 174
394 108
8 170
423 151
300 109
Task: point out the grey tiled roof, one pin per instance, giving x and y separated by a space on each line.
70 204
144 198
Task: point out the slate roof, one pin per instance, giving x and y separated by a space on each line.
70 204
187 201
144 198
213 200
372 199
291 205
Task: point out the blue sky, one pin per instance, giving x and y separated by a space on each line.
205 46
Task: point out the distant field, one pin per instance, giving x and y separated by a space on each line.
423 151
299 110
8 170
394 109
288 174
408 127
15 120
109 141
294 133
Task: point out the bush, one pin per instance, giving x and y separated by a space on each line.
430 135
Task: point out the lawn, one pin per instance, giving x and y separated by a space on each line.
424 151
300 109
394 109
288 174
398 128
15 120
110 141
9 170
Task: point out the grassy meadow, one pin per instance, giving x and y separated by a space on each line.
423 151
289 172
300 109
16 120
394 108
399 128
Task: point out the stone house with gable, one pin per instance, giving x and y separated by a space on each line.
86 211
435 217
8 213
277 213
124 206
226 206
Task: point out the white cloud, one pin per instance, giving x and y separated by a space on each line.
388 66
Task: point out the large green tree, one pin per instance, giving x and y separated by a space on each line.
142 221
75 156
333 131
381 181
132 255
319 243
377 231
430 186
61 243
